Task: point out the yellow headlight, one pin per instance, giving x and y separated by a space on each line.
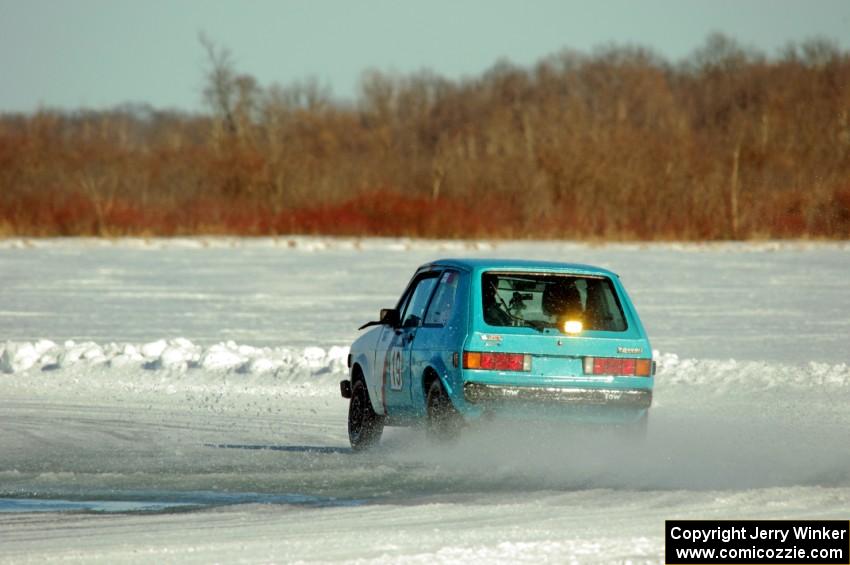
572 327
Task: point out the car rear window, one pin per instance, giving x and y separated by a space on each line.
548 300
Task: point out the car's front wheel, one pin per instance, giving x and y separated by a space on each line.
443 421
364 425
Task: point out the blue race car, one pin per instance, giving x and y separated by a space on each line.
472 337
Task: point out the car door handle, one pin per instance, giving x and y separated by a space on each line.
406 337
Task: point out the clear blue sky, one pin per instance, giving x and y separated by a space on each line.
98 53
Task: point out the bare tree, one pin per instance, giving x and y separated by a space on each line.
222 83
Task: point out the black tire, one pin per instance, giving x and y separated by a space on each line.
442 422
364 425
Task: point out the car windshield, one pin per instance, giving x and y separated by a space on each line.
549 300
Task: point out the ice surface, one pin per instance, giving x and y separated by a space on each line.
769 301
140 376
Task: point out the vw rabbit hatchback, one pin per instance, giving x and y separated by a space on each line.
470 338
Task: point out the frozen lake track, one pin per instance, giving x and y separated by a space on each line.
196 415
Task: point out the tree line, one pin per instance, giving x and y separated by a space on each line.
615 144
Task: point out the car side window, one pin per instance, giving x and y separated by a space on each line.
415 308
443 305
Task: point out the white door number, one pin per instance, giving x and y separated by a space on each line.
396 362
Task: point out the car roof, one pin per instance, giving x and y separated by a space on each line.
472 264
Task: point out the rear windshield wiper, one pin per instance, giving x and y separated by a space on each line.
536 324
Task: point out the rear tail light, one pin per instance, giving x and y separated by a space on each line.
618 367
643 367
496 361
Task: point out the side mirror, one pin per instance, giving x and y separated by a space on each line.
389 317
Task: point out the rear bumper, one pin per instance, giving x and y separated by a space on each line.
484 394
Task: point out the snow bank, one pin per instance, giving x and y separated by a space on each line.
751 375
21 356
182 355
178 354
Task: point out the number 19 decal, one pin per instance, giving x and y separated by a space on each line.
396 362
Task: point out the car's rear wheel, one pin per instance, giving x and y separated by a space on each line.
443 421
364 425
